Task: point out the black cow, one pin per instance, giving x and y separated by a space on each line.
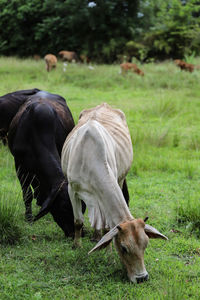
9 106
35 138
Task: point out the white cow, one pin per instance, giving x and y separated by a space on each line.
96 158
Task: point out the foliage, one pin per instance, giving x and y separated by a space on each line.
39 27
190 58
18 19
174 28
134 49
103 30
172 42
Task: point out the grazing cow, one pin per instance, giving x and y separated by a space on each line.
9 106
96 157
68 56
35 138
50 61
125 67
84 59
184 66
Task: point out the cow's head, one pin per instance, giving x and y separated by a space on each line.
62 213
131 239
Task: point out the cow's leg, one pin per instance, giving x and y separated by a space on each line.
125 192
78 233
25 181
78 216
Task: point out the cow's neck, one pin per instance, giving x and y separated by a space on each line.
112 203
117 211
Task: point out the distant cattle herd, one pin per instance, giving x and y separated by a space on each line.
67 168
71 56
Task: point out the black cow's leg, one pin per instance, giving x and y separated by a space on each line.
125 192
25 181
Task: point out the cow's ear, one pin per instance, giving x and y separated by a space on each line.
153 233
106 239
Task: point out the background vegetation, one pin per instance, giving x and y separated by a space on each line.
104 30
162 110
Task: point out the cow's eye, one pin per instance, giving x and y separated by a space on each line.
124 249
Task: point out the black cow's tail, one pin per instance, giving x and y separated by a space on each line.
46 206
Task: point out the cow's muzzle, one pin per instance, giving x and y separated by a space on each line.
142 278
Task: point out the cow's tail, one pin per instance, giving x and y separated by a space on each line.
46 206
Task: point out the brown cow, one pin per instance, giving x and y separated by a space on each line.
68 56
84 59
125 67
184 66
51 61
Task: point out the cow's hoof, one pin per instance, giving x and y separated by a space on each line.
77 245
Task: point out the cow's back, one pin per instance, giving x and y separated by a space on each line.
114 121
64 121
43 114
27 130
10 104
89 146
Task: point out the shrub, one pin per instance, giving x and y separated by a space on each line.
133 49
173 29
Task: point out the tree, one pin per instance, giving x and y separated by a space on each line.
18 19
173 28
36 26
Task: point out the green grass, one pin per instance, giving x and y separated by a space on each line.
162 111
9 230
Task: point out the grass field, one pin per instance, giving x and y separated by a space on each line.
162 110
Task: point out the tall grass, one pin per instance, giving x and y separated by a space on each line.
190 58
188 213
10 231
10 200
